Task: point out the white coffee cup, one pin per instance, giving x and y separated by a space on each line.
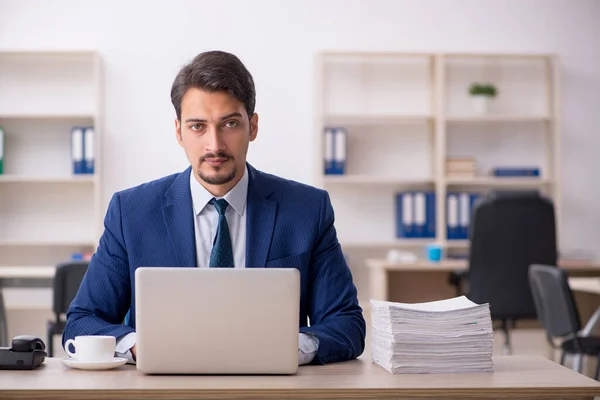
92 348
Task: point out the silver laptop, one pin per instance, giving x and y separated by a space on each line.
217 320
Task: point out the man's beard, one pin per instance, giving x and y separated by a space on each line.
217 179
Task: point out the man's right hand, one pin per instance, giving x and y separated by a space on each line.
133 351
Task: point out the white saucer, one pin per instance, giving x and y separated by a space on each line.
95 366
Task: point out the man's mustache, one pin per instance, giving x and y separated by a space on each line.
215 155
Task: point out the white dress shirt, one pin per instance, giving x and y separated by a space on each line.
206 219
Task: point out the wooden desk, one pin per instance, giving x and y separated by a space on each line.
21 277
590 287
519 377
585 285
425 285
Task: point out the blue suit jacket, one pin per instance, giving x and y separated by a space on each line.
288 225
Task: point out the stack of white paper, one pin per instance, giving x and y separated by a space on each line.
445 336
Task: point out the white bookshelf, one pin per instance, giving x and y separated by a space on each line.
404 114
47 212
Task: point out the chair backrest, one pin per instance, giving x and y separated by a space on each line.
67 280
554 301
509 232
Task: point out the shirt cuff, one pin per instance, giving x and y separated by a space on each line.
124 345
308 345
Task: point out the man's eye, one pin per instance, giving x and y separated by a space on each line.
231 124
196 127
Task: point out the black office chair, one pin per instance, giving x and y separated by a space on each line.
557 311
509 232
67 280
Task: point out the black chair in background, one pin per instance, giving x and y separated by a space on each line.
557 311
67 280
509 232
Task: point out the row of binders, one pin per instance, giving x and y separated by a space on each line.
459 210
335 151
82 150
416 214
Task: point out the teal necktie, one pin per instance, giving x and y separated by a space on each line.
221 255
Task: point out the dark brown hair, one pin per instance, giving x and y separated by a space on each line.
215 71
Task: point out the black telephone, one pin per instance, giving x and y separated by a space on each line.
26 352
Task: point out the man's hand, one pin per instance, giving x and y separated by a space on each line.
133 351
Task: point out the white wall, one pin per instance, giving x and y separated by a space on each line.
144 43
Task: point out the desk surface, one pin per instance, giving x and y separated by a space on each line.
513 376
587 285
449 265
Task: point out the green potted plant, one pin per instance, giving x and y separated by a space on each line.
482 93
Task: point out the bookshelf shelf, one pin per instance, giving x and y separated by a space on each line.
47 116
368 120
405 243
457 244
410 125
48 179
399 243
499 182
374 180
497 118
46 212
47 243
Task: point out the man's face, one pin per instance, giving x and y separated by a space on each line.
215 133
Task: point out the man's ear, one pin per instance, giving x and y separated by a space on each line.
178 132
253 127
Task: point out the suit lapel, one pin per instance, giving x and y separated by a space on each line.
178 214
260 220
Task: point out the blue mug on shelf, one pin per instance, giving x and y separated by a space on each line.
434 253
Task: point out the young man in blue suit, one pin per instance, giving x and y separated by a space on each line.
221 212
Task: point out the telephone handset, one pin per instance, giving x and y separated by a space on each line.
26 352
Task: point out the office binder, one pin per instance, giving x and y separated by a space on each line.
328 156
1 150
430 212
515 172
404 215
88 153
474 198
464 214
452 216
339 151
77 150
420 214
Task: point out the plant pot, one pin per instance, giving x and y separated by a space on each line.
481 104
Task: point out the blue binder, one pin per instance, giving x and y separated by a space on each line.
420 214
339 151
515 172
328 156
77 150
464 214
404 215
452 217
88 154
431 212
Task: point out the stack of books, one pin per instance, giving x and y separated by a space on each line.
448 336
460 167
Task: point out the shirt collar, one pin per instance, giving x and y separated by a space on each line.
236 197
